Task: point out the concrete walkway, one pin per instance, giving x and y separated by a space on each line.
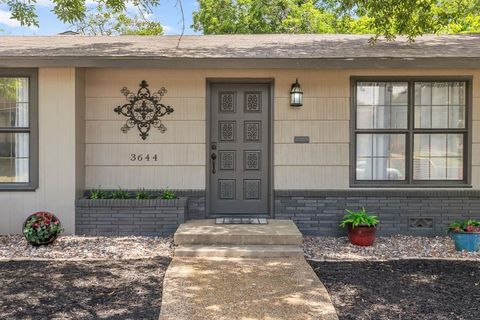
244 288
243 272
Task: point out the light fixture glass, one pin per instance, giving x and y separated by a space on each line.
296 95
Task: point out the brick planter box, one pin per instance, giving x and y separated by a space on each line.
118 217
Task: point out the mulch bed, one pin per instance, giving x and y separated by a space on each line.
85 289
403 289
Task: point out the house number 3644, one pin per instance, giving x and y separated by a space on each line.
143 157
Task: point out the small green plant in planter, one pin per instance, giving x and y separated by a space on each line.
120 194
361 226
168 194
98 194
41 228
465 234
142 195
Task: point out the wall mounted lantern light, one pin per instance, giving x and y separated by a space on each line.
296 95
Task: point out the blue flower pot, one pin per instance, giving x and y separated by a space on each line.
467 241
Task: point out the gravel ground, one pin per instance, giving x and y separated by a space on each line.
62 289
79 247
83 277
384 248
403 289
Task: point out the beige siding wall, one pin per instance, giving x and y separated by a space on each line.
321 164
56 191
79 131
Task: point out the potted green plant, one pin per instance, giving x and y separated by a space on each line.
361 227
465 234
41 228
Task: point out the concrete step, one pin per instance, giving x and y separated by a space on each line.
206 232
243 251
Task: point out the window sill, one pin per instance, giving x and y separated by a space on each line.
18 187
413 185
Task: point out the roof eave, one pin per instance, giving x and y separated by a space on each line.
238 63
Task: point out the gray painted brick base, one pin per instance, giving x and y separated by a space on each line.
316 212
195 203
115 217
415 212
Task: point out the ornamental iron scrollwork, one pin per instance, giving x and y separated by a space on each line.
144 110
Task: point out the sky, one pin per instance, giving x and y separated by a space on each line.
166 13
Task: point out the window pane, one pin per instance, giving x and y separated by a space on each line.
14 157
14 102
381 105
438 156
440 104
380 157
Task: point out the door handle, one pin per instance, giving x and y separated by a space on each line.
214 157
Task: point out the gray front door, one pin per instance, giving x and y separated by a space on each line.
239 149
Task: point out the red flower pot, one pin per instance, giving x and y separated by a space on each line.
362 235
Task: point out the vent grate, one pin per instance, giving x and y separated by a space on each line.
421 223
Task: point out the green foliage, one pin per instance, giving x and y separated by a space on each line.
387 18
359 218
120 194
8 89
71 11
168 194
98 194
142 195
41 227
465 226
103 20
262 16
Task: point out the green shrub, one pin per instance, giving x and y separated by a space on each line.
142 195
168 194
98 194
359 218
120 194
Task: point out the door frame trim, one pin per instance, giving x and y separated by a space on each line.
271 87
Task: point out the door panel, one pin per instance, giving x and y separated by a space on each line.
239 149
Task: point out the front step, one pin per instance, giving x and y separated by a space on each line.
206 232
243 251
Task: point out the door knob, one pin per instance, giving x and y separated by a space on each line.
214 157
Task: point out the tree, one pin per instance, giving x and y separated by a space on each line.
386 18
104 21
262 16
70 11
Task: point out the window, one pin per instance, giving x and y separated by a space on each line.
18 149
410 131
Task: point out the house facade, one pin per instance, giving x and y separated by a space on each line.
391 127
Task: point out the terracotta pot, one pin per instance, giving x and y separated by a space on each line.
362 235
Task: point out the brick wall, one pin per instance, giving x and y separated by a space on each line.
316 212
114 217
416 212
195 203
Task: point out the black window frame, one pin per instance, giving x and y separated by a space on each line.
32 130
409 182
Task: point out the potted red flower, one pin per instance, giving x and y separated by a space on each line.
361 227
465 234
41 228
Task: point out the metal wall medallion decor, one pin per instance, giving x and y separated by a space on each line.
144 110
